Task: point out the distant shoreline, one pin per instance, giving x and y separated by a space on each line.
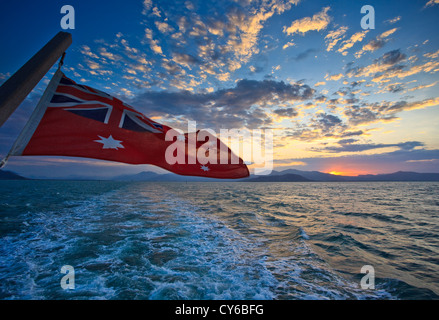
290 175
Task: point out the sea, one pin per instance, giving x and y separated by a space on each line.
219 240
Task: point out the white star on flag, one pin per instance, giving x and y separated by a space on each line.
110 143
205 168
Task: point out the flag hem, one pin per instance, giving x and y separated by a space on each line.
38 113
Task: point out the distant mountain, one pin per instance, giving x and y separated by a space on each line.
9 175
397 176
311 175
142 176
289 177
168 177
326 177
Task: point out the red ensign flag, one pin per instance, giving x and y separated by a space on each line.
79 121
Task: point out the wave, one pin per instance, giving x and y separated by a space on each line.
203 241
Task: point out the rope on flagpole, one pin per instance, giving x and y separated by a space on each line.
61 61
4 161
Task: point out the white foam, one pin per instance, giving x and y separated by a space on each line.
303 234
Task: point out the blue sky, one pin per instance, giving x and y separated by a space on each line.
339 98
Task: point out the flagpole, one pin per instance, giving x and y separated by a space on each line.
21 83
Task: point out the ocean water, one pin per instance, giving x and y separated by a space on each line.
215 240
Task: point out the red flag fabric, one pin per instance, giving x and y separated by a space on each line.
79 121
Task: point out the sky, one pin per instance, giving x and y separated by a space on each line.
339 98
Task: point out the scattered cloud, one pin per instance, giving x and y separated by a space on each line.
164 27
248 25
393 20
305 54
431 3
334 36
383 111
347 44
317 22
288 162
349 145
321 125
377 43
286 112
147 5
423 86
432 55
155 47
334 77
384 67
423 160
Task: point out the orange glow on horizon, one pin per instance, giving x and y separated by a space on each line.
344 173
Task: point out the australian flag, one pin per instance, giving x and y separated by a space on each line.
79 121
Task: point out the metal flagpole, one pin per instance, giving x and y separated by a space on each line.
36 116
19 85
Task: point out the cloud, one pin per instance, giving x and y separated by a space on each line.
383 67
241 106
288 44
347 44
393 88
152 42
85 50
377 43
183 24
172 68
402 72
406 106
431 3
423 86
392 57
333 37
348 145
211 46
164 27
387 33
286 112
185 60
108 55
305 54
432 55
334 77
393 20
248 23
383 111
321 125
389 66
317 22
424 160
147 4
358 115
288 162
4 77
